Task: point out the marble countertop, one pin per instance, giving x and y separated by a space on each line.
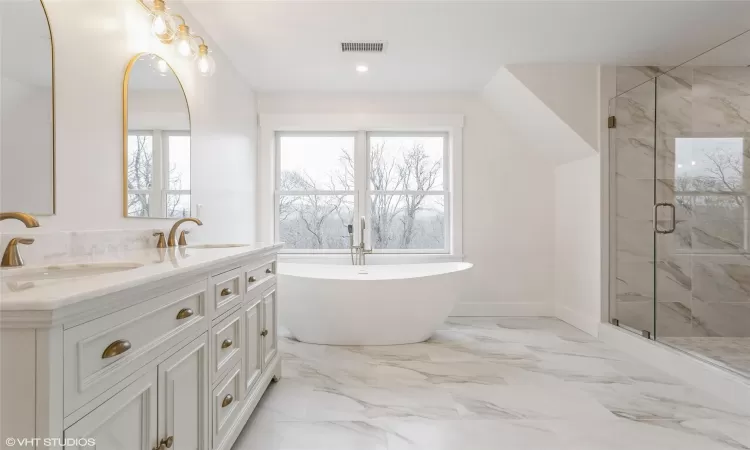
157 264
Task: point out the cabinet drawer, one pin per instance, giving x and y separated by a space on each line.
227 289
258 275
100 353
226 342
226 405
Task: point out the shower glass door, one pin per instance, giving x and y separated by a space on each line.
632 290
703 274
680 202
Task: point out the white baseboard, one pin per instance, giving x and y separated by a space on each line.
586 324
731 388
490 309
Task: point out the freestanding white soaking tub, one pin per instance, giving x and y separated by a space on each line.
367 305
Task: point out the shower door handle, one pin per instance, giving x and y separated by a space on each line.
674 218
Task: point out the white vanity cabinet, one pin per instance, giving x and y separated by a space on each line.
171 397
270 318
127 420
179 363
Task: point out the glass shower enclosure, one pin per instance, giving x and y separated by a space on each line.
680 269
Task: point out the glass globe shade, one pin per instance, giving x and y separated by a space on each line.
205 62
184 43
163 26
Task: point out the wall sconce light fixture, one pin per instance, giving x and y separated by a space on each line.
165 27
206 63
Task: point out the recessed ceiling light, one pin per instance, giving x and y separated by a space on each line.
362 68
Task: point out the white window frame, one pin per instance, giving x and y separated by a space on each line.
450 125
160 182
367 193
745 194
165 134
278 193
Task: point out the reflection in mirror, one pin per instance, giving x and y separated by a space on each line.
156 141
27 154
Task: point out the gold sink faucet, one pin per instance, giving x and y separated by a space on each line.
11 257
172 241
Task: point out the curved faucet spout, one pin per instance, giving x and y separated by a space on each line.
27 219
172 241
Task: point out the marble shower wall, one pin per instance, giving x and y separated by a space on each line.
702 270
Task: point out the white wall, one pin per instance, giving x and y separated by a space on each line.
157 109
560 111
521 109
577 243
94 40
569 90
507 197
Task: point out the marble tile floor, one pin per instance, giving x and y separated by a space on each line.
730 352
490 383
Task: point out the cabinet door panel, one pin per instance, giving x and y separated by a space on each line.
127 421
270 312
183 396
253 344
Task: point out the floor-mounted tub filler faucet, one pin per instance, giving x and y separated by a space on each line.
360 249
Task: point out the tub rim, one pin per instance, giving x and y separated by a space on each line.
356 276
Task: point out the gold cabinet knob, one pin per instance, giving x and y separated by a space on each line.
184 313
269 271
264 333
227 343
251 280
225 292
227 400
118 347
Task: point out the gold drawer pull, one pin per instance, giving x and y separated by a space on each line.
251 280
227 401
184 313
225 292
227 343
269 271
118 347
264 333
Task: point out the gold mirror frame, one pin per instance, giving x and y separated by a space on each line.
54 122
128 69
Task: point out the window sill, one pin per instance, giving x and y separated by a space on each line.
376 258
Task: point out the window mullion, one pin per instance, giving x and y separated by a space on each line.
360 185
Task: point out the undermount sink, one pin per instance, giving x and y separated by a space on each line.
209 246
25 274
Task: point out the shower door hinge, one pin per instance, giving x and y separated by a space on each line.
612 122
615 322
646 334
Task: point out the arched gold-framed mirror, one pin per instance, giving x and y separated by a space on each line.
156 141
27 109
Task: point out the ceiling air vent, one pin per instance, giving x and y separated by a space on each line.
369 47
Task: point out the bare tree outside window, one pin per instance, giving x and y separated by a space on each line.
710 190
141 179
316 201
140 174
406 213
404 187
